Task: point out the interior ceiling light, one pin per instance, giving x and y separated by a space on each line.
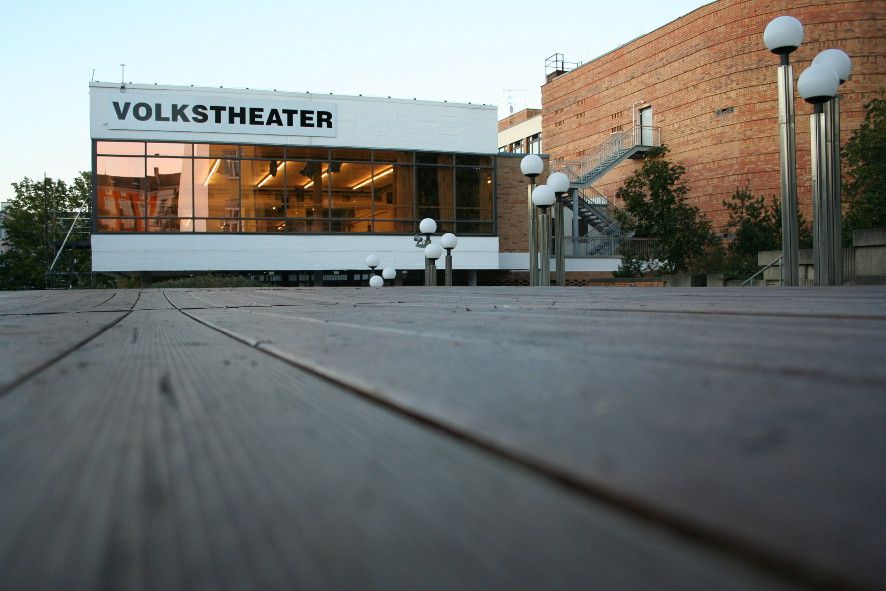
211 172
371 178
311 182
270 176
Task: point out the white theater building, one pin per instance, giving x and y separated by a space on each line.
198 179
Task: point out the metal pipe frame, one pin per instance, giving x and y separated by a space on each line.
432 273
448 274
822 201
832 115
790 245
544 226
559 245
533 238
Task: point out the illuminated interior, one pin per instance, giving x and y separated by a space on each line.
182 187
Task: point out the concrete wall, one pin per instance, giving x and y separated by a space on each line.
870 256
711 84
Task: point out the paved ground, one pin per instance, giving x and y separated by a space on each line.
443 438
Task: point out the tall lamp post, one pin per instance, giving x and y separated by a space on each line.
559 182
783 35
532 165
543 197
432 253
818 85
448 241
841 64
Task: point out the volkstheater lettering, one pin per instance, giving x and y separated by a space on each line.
223 114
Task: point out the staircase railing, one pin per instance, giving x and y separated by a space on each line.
618 144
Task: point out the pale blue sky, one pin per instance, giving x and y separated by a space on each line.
469 51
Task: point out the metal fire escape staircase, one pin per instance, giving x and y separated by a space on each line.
590 205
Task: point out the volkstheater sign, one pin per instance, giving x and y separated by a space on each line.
220 114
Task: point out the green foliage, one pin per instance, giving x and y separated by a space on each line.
34 231
632 264
864 179
755 226
655 207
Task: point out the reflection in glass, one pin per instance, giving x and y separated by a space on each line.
352 190
262 188
166 149
120 148
120 191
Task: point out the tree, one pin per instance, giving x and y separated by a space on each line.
655 207
36 221
864 180
755 226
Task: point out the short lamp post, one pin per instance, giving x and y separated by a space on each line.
543 197
389 273
432 253
783 35
448 241
532 165
426 228
372 262
841 64
818 85
559 182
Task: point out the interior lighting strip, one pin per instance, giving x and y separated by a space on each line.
270 176
371 178
311 183
211 172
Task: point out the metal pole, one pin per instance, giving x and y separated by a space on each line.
575 218
544 224
427 272
822 225
832 113
533 238
559 245
790 248
432 276
448 274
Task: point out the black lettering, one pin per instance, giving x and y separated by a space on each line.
307 119
324 117
121 115
145 109
178 113
290 113
274 118
198 112
158 114
255 115
218 112
234 113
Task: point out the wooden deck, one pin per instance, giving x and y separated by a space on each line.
465 438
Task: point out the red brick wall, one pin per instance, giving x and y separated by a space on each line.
512 195
714 58
516 118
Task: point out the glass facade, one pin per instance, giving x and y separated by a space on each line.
182 187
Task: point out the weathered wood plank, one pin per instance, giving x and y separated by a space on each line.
28 342
746 424
181 459
53 301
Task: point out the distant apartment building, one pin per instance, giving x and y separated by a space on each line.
520 133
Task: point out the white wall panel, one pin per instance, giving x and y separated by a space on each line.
245 252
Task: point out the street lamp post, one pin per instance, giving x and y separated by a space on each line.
783 35
543 197
532 165
372 262
841 64
389 273
448 241
432 253
818 85
559 182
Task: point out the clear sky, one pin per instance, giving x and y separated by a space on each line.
465 51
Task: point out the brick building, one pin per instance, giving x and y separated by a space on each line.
706 86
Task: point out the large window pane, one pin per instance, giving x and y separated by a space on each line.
167 149
120 148
305 153
393 195
352 188
262 188
170 225
394 156
351 154
120 191
217 195
169 185
473 193
433 158
262 152
434 192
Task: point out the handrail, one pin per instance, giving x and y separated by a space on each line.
614 146
65 241
751 278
